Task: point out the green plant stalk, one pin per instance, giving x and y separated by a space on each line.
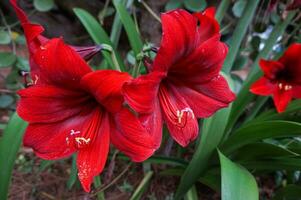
239 34
244 96
108 48
192 194
223 7
97 184
142 186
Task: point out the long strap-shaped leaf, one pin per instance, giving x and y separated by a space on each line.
239 34
259 131
98 35
237 182
9 146
129 26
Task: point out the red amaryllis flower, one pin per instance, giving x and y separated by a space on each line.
35 40
72 109
184 83
281 78
296 4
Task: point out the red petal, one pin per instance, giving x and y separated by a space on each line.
56 140
263 86
91 160
282 99
291 59
106 86
137 137
61 103
179 38
208 24
270 68
179 117
203 64
60 64
141 92
206 98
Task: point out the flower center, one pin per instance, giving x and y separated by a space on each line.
173 108
284 86
180 114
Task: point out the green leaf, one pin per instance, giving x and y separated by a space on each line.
142 186
273 164
129 26
7 59
98 35
43 5
272 114
9 146
4 37
239 7
192 194
290 192
6 100
261 130
173 4
239 33
195 5
237 182
211 135
262 150
23 64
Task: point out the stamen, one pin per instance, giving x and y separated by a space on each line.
287 87
42 47
82 140
180 114
36 79
72 132
280 86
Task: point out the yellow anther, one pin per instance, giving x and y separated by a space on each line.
73 132
36 79
180 114
81 140
287 87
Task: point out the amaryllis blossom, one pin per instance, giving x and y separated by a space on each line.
295 4
184 82
71 109
281 78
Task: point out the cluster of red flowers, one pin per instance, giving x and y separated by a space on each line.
73 109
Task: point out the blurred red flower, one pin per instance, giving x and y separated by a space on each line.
184 82
296 4
281 78
72 109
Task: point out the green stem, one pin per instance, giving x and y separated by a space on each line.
223 7
239 34
108 48
97 184
150 11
